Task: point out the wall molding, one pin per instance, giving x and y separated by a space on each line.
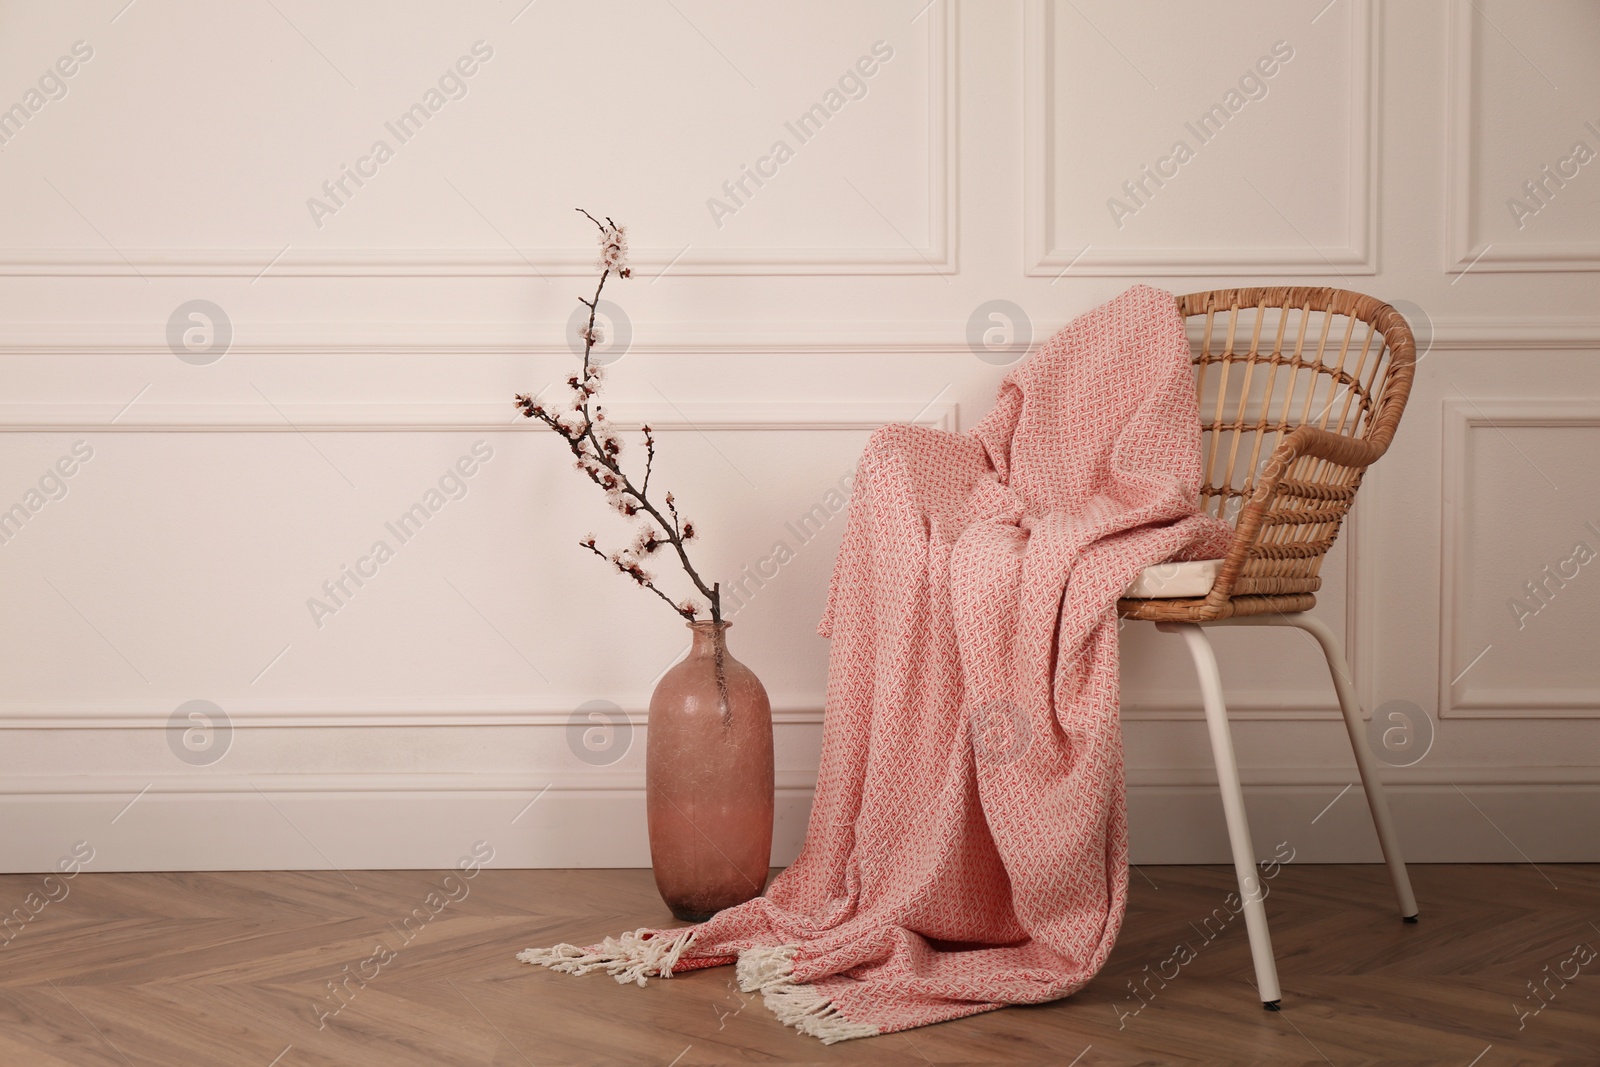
354 822
555 710
1043 259
530 783
938 256
1450 333
1459 418
330 712
610 779
1474 334
1180 704
814 337
322 711
1462 251
547 710
722 416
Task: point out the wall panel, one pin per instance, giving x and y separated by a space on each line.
436 706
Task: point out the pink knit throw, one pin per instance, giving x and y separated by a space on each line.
968 845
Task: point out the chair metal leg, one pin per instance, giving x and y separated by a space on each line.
1388 840
1244 856
1377 803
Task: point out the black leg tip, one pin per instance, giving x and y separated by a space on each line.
1271 1005
1408 918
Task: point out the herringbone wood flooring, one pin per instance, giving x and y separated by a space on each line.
232 968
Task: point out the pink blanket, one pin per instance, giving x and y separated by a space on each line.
968 843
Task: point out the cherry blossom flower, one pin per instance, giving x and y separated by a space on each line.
614 250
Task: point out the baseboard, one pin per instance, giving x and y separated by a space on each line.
1443 815
361 822
339 822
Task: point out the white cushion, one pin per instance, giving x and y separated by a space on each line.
1169 580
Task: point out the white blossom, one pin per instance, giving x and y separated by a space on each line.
614 249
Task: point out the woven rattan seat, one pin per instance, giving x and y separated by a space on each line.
1300 392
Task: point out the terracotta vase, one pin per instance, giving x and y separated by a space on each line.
708 780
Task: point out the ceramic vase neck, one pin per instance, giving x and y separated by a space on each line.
709 638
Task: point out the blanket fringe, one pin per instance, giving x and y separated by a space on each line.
633 957
771 970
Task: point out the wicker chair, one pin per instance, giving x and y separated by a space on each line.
1300 391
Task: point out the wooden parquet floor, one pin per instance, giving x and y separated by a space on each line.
128 970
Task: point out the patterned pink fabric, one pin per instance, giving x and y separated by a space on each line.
968 844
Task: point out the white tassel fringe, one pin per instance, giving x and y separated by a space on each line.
771 970
634 957
629 958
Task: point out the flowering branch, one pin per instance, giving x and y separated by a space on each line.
597 452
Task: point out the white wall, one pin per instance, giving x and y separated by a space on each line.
375 340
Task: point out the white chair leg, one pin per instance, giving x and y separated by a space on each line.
1244 856
1377 803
